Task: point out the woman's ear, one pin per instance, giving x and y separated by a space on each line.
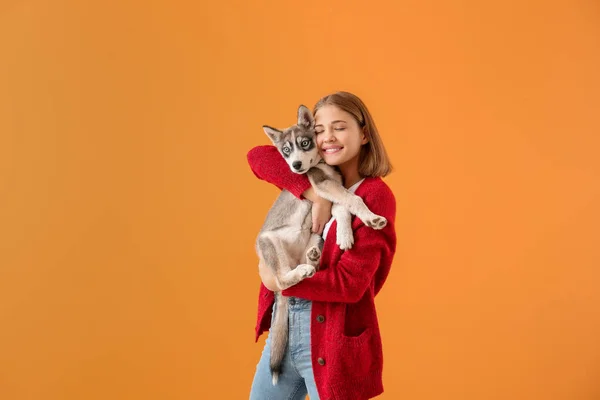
364 139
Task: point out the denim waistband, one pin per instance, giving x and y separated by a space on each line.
297 303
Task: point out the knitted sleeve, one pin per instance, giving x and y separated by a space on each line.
369 258
268 165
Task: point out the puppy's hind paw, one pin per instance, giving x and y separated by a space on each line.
313 254
306 271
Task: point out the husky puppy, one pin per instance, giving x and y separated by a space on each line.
287 249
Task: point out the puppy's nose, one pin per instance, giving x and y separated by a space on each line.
297 165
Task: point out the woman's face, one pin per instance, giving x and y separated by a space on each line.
339 137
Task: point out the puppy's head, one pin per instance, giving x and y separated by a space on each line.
298 143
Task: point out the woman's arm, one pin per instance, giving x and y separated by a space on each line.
347 281
268 165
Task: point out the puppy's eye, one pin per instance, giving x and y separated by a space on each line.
305 143
286 150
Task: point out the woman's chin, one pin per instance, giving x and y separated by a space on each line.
332 159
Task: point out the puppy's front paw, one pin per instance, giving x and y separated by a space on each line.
345 240
376 222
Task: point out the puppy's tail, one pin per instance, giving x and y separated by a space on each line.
279 336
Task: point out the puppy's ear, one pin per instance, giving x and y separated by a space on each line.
305 117
272 133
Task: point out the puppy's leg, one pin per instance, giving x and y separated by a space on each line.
298 274
344 234
333 191
266 275
314 248
274 255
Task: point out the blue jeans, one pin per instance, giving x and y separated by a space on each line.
296 379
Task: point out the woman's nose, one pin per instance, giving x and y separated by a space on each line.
327 135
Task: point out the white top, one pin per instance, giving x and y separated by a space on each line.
351 189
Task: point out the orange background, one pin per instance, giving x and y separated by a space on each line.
128 214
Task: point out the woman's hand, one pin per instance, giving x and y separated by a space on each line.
321 214
321 210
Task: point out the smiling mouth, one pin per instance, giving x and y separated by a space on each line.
332 150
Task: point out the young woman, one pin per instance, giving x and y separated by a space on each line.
334 348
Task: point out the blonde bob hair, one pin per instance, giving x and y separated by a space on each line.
373 160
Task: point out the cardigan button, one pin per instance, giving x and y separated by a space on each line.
321 361
320 318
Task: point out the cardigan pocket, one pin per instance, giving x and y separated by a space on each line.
356 327
354 355
358 340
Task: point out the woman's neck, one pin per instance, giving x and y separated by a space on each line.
350 172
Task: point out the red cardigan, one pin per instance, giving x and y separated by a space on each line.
346 347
